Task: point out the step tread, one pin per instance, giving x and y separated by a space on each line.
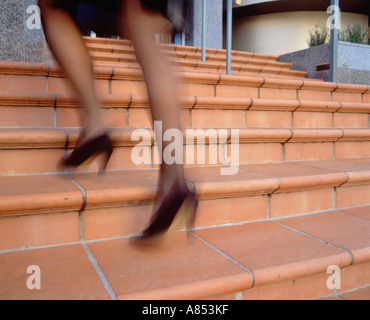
213 64
266 227
360 294
59 99
31 194
208 263
35 138
117 43
121 73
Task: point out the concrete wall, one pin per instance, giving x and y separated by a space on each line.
353 62
21 35
281 33
214 27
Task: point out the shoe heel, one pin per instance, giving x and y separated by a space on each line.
184 218
107 155
86 153
193 207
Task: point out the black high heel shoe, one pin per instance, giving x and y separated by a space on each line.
174 213
87 152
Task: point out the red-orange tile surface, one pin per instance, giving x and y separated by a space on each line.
38 230
294 202
186 269
361 294
259 247
340 229
65 274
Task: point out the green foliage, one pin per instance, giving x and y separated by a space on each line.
319 35
354 34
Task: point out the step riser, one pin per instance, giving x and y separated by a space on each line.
209 87
282 122
51 116
122 220
249 71
32 161
39 230
181 50
306 288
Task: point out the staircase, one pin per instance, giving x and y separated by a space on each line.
295 216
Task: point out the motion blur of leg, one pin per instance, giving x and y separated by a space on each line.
174 201
139 20
65 41
161 83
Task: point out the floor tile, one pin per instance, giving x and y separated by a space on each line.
118 186
345 231
186 269
361 294
363 212
273 252
210 183
345 165
299 175
65 274
38 192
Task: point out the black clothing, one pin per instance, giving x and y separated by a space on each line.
102 16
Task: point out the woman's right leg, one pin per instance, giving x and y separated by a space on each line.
175 203
142 26
65 41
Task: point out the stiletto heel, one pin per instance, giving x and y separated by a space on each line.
87 152
108 154
190 223
176 212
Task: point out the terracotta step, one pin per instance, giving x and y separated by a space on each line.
30 151
359 294
61 110
119 203
190 57
217 263
214 64
272 225
125 46
44 77
126 53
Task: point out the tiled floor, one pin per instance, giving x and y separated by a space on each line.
241 248
214 262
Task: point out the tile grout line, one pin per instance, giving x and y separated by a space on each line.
227 257
352 215
39 247
89 254
99 271
87 250
318 239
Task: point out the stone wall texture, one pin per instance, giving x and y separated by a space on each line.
353 62
21 34
22 37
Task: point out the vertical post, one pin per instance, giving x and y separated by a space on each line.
229 35
334 26
204 30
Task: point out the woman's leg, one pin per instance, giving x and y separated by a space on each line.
65 41
161 84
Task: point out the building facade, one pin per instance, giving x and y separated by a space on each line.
22 37
282 26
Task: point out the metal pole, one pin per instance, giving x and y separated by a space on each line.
334 40
229 35
204 30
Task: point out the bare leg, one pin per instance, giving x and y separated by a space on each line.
68 47
161 84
